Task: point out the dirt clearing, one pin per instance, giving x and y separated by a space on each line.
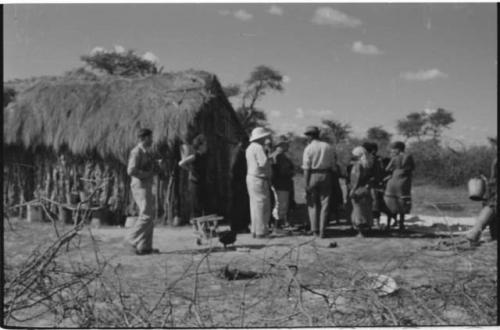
284 281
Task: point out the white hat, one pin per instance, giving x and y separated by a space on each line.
259 133
359 151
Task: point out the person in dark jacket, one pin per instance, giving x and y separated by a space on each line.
239 206
377 184
281 182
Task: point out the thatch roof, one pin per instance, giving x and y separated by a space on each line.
102 115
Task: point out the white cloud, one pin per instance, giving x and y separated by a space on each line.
97 50
224 12
322 113
286 79
430 111
423 75
333 17
149 56
299 113
243 15
275 10
119 49
361 48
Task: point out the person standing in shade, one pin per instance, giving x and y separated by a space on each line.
397 195
282 182
318 162
258 182
142 168
361 182
239 206
196 163
377 181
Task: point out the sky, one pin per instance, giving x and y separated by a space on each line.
365 64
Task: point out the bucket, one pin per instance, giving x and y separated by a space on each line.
130 222
65 215
34 213
477 188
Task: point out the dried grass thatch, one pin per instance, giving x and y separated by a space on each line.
103 115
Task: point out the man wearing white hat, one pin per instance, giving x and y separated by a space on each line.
258 178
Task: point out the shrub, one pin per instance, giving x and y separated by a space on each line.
446 167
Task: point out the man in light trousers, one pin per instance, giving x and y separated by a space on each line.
318 162
142 168
258 180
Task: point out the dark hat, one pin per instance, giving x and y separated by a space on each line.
312 130
398 145
143 132
370 146
282 140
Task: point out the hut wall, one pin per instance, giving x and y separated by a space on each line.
40 174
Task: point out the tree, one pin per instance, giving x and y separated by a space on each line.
378 135
121 63
437 121
262 80
336 131
232 90
425 123
412 126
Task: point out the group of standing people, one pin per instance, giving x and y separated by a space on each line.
269 177
373 186
268 172
379 186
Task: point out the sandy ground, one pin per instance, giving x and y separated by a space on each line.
414 260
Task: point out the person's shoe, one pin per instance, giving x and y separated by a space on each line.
322 235
253 235
145 252
261 236
309 233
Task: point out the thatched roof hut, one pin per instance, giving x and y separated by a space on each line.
96 118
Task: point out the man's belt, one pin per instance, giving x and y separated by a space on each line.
318 170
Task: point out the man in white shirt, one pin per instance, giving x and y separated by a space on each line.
318 162
258 179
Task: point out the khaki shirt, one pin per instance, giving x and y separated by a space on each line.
140 164
319 155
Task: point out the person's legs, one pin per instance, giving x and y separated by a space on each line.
401 221
486 215
141 235
253 204
260 205
325 198
281 209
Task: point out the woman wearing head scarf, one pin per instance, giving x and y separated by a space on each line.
361 179
397 195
